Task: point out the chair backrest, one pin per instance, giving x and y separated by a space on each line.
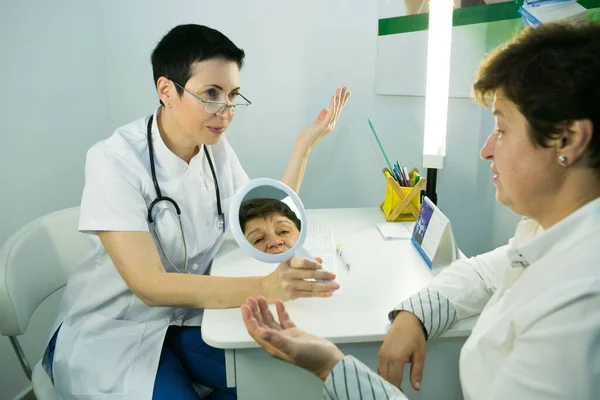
35 262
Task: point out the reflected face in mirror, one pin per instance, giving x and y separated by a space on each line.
269 225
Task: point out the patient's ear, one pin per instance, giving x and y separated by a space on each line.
575 141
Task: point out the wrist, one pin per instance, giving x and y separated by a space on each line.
407 315
335 358
265 288
302 146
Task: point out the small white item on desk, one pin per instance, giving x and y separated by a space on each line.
340 251
396 230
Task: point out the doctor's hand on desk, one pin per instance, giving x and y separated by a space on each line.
404 343
288 281
325 121
285 341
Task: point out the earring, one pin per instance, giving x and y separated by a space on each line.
562 160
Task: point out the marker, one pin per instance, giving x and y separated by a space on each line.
401 173
340 253
398 174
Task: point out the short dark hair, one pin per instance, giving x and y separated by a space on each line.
185 45
552 73
262 208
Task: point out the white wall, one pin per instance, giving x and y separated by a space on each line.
54 107
73 71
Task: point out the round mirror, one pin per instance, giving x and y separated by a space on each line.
268 220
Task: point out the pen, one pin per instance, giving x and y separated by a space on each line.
406 175
398 177
340 253
398 174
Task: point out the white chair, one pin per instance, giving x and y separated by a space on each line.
35 262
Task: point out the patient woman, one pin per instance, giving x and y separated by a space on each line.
538 335
269 225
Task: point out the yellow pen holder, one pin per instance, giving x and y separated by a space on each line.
401 203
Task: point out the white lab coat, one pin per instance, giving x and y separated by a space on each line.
109 342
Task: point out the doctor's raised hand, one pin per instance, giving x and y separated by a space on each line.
326 120
311 135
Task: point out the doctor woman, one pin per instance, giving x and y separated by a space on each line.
154 204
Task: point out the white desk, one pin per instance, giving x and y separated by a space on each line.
383 274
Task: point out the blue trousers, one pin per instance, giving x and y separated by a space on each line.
184 358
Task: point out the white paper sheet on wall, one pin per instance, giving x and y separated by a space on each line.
402 57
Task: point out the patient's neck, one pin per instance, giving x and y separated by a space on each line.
579 189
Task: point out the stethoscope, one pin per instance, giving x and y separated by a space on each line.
160 197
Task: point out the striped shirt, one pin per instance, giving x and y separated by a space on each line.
351 379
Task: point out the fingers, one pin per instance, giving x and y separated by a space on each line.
322 275
249 320
390 371
335 101
274 343
306 280
321 117
303 294
266 314
382 368
253 327
263 337
253 305
279 345
314 286
395 372
346 95
416 368
341 96
284 318
304 263
338 106
319 274
391 363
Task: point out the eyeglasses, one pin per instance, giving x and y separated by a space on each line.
215 107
